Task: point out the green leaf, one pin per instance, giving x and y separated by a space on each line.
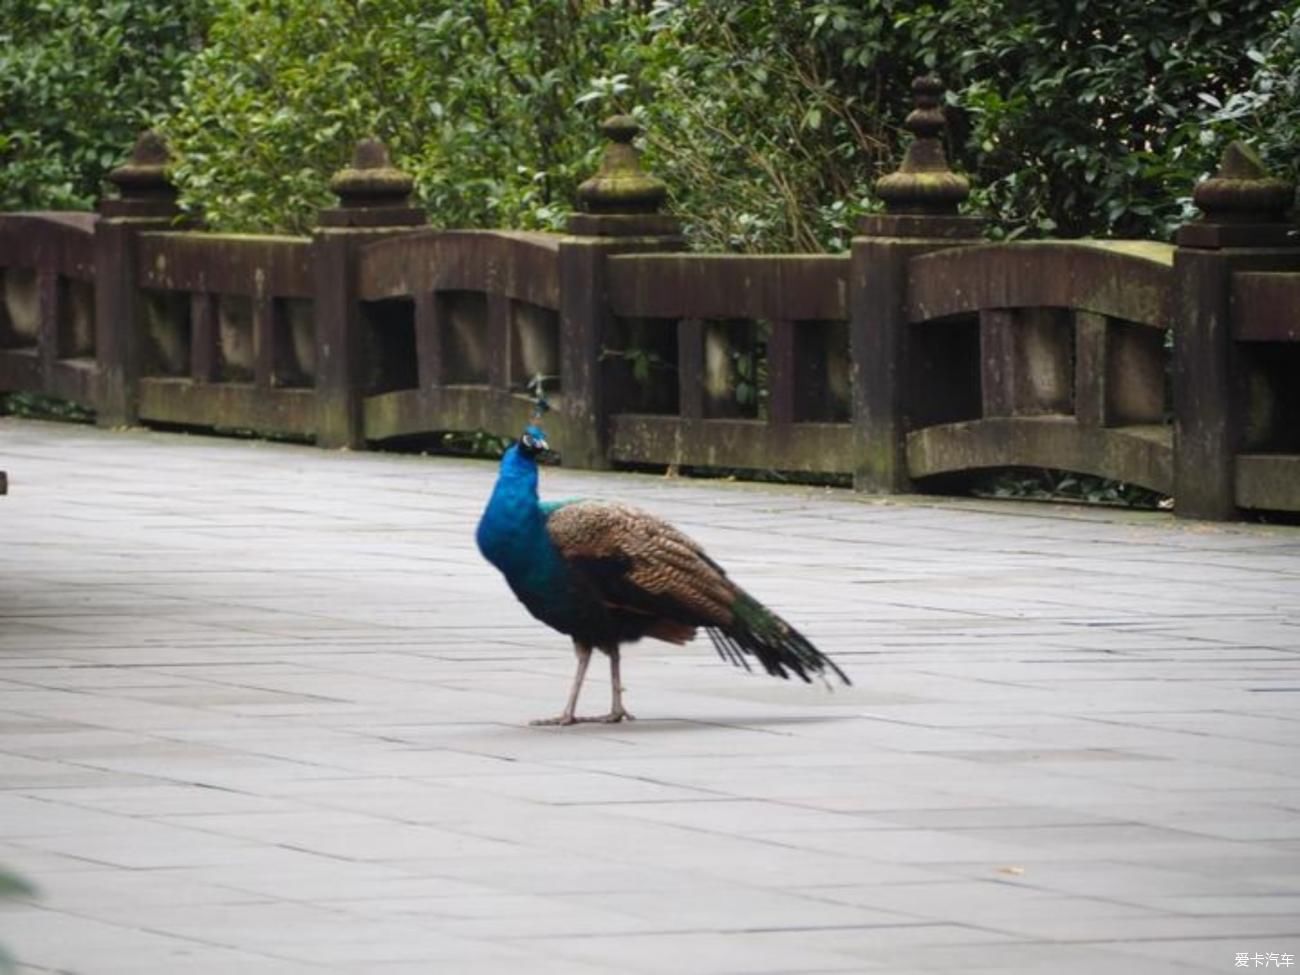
12 885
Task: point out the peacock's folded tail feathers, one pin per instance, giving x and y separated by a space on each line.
645 569
779 647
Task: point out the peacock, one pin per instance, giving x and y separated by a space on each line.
606 574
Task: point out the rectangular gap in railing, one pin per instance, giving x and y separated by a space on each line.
1269 396
76 319
237 360
534 344
389 351
294 338
20 309
462 318
808 372
167 330
943 372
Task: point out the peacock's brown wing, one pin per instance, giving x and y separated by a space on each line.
641 564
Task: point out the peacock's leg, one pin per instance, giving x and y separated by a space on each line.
617 712
566 717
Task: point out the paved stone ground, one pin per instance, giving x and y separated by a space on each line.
262 710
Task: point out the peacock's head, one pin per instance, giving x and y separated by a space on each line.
533 442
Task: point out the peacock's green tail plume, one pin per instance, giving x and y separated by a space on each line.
779 647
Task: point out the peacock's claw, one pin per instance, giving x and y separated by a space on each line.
614 717
562 720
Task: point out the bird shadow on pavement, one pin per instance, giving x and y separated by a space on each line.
675 723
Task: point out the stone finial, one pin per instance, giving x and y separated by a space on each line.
924 184
922 196
143 186
621 185
1242 191
146 170
1241 205
371 179
622 199
372 191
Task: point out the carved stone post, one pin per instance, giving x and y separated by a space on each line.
146 200
1243 224
921 201
621 215
374 202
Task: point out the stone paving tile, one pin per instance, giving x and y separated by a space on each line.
262 709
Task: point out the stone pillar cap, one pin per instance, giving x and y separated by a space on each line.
1243 190
924 184
372 192
921 197
622 199
371 179
1242 205
621 185
143 186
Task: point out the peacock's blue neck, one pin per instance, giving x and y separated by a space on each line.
512 536
512 532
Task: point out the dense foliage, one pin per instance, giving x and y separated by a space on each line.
39 407
78 80
769 119
1074 118
1092 116
476 100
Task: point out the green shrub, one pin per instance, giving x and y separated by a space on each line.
36 406
767 129
78 80
476 100
1110 134
769 119
1264 110
1088 117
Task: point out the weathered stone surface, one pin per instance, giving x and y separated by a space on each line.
228 406
1114 278
1266 306
1268 481
1139 454
239 264
823 447
790 286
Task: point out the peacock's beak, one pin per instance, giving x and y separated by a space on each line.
545 455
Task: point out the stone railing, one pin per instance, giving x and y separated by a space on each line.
925 351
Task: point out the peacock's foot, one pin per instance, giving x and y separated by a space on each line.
614 717
562 720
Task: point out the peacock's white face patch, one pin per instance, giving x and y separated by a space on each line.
533 441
